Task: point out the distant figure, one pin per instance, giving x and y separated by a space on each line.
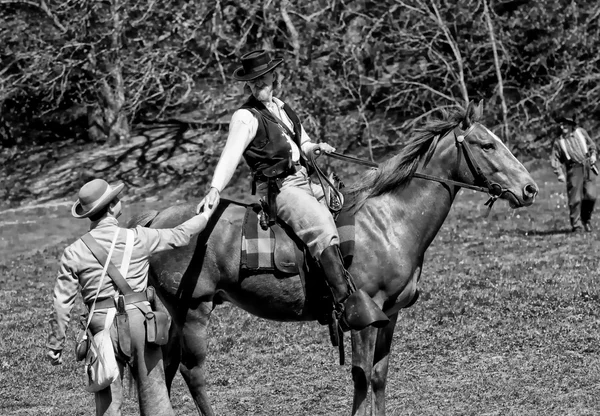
81 271
574 152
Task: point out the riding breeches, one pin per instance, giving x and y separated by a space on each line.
581 191
299 207
146 367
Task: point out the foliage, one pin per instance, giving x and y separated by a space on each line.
362 73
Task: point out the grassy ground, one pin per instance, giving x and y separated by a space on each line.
507 324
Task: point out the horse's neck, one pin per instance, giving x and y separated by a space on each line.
415 212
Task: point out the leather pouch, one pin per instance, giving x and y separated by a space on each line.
157 327
83 344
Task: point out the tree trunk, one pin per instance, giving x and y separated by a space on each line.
488 19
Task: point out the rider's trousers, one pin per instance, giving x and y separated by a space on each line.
299 207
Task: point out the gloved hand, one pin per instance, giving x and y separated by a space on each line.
561 178
211 200
55 356
593 159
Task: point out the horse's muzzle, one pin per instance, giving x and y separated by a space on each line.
529 193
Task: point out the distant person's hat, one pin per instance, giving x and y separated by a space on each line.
565 120
93 196
255 64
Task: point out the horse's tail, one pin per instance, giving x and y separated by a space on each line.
144 219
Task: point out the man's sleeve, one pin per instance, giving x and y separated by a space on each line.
591 144
65 292
305 142
555 159
156 240
242 130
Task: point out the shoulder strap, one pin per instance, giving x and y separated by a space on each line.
127 254
112 270
106 264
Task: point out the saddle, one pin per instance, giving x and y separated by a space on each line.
276 249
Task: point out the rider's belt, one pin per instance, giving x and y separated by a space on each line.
277 172
129 299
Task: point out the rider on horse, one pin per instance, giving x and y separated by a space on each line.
270 137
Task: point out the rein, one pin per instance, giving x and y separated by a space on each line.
493 189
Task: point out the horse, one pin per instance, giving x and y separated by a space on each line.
397 215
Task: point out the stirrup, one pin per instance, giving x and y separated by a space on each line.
360 311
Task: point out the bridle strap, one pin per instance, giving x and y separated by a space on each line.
494 190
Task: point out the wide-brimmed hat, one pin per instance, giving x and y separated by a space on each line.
255 64
566 120
93 196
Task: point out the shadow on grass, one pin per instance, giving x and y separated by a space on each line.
529 233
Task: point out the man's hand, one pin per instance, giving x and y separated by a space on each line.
561 178
324 147
210 201
55 357
593 159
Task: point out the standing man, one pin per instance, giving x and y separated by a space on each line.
270 137
79 269
574 153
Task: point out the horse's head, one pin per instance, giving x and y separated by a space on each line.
485 161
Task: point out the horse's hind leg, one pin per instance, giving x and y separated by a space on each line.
194 346
381 360
363 348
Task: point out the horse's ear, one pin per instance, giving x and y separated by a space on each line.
474 113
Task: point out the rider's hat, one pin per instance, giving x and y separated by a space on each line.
93 196
255 64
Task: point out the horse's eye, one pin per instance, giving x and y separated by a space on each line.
488 146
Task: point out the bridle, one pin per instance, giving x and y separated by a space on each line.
493 189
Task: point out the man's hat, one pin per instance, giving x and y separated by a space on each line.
565 120
93 196
255 64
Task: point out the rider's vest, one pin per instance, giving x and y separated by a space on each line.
270 149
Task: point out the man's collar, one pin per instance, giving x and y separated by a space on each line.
278 102
104 222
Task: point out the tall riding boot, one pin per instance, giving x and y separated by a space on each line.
356 309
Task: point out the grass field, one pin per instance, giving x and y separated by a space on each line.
507 324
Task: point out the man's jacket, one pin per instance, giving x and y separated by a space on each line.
79 267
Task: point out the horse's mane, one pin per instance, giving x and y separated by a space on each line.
397 171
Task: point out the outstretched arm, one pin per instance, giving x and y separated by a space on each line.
242 130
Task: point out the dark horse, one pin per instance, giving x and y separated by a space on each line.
397 217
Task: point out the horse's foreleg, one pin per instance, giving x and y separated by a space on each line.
381 360
363 347
194 347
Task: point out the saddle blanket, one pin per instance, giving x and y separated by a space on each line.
274 249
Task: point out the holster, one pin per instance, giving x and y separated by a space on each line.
157 327
157 322
123 331
273 176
